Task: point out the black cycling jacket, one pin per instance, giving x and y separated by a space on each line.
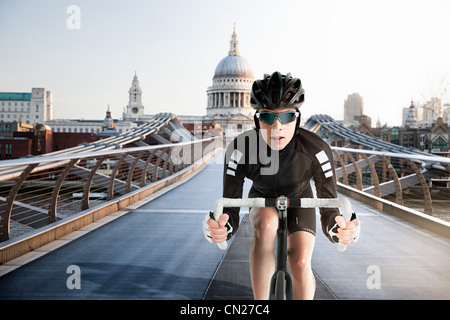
274 173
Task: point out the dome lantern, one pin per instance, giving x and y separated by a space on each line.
234 65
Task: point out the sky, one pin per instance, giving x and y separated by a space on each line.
390 52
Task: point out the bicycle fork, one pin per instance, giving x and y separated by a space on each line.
281 282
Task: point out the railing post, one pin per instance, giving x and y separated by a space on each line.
147 162
343 168
357 172
56 188
166 162
384 173
131 171
158 161
114 172
88 183
5 217
171 165
373 175
156 166
398 185
423 182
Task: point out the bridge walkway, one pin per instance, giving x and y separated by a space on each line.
155 249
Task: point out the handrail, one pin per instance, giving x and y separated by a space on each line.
430 158
385 173
45 158
44 189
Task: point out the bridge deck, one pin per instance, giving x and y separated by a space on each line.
156 250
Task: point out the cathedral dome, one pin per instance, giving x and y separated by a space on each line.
233 65
228 98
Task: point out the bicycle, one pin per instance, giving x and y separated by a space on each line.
281 282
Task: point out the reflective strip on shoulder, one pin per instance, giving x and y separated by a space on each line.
233 163
325 164
236 155
322 157
231 172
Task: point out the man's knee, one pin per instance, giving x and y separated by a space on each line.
300 254
265 223
299 266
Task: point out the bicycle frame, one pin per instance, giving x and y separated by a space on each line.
342 203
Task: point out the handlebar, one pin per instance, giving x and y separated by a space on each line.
342 203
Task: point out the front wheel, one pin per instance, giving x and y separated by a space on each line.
281 286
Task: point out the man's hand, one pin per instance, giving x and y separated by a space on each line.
347 232
218 229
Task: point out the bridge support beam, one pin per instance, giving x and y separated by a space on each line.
373 175
144 169
5 214
88 183
130 173
114 173
426 191
357 172
343 167
56 188
398 185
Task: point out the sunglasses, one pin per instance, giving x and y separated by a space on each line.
284 117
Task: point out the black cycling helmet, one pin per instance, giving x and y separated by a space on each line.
277 91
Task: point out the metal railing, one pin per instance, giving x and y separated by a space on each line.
420 182
38 191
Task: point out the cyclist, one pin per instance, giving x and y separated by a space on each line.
280 158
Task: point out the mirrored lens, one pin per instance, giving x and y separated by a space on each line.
285 117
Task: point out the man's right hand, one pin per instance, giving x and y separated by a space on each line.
216 231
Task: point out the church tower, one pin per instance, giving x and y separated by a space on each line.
411 119
134 109
108 122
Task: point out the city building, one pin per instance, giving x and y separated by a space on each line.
27 107
353 109
433 139
410 117
428 112
438 138
87 126
39 139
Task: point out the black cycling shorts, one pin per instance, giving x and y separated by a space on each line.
299 219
